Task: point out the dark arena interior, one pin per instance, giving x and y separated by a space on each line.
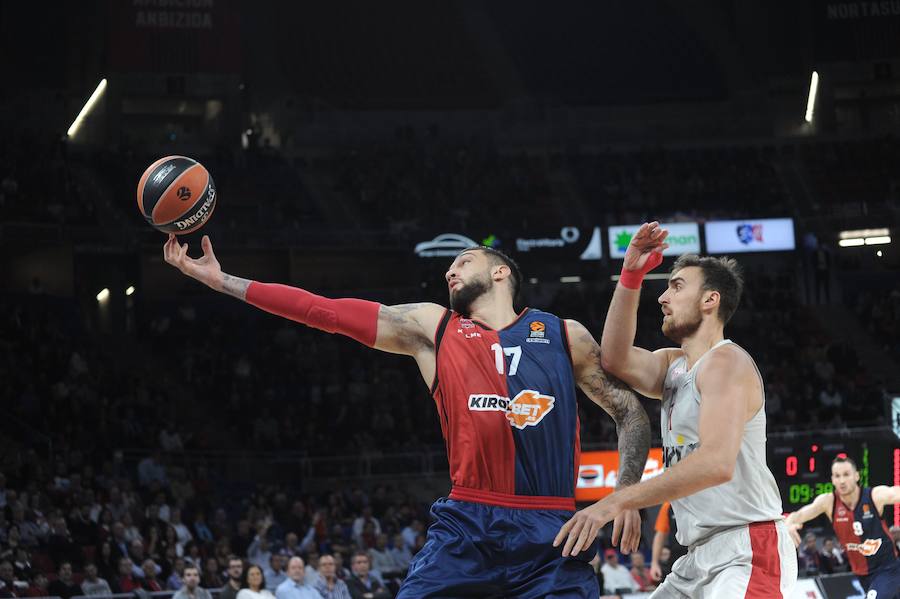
151 426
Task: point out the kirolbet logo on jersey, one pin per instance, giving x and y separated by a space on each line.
527 408
868 548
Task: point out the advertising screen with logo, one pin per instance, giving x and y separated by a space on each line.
599 471
751 235
569 242
684 238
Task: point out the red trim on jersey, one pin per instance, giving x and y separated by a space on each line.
519 502
859 565
765 576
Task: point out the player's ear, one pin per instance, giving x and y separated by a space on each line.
501 271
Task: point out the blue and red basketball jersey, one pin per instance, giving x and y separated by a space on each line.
863 534
507 405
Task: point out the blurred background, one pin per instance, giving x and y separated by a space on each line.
357 147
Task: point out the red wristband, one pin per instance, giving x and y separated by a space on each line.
354 318
632 279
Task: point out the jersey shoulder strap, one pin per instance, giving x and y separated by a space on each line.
438 336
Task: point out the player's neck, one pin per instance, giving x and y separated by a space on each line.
702 341
851 499
494 313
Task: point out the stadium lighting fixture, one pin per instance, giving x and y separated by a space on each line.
864 233
881 240
103 295
575 279
811 100
129 290
73 129
851 242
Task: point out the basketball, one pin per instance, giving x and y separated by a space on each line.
176 194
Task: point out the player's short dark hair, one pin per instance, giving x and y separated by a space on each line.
842 459
498 257
719 274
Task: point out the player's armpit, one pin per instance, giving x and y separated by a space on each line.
620 402
408 328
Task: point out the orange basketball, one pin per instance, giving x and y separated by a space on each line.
176 195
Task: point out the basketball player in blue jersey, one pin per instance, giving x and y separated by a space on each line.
504 386
855 513
713 423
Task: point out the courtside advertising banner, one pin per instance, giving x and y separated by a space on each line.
750 235
684 238
598 472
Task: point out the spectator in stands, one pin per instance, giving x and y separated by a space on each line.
192 556
7 580
212 575
235 574
127 581
254 585
151 571
359 527
84 530
191 588
808 557
120 543
383 561
39 586
151 469
64 586
275 573
259 552
176 578
183 532
328 584
295 586
22 564
60 545
361 584
833 559
298 520
30 534
616 577
291 545
107 562
414 529
201 530
401 553
92 583
640 572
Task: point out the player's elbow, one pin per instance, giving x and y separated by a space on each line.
610 364
721 472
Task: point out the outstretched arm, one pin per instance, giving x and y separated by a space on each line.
883 495
641 369
406 329
632 423
794 522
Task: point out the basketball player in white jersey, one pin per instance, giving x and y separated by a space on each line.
724 497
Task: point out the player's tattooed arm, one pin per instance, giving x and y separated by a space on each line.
235 286
408 328
617 399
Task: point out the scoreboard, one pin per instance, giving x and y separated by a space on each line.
802 467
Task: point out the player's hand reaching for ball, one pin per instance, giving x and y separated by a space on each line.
205 269
645 250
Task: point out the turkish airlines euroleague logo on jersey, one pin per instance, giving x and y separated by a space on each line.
527 408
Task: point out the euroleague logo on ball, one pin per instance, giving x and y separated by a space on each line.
184 194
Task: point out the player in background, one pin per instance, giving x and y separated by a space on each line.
724 496
504 386
855 513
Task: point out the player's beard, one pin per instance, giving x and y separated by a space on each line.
461 301
679 330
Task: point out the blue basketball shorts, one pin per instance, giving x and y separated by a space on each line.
478 550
